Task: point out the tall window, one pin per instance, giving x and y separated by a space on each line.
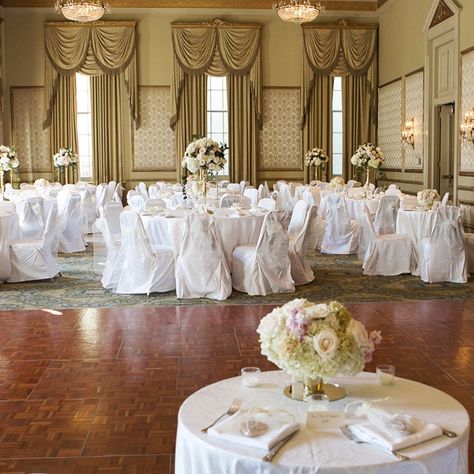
84 126
217 114
337 127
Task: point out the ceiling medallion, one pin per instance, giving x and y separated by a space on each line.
298 11
83 11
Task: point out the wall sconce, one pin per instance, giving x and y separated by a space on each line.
408 133
467 127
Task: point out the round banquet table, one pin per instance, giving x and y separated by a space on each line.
417 225
232 231
353 207
324 451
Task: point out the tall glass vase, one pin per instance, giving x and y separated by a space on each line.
202 186
2 187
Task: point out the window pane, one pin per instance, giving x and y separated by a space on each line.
337 83
337 122
84 126
337 143
336 164
215 98
337 100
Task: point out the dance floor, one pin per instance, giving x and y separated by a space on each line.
98 390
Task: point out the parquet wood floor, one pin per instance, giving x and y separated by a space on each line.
98 390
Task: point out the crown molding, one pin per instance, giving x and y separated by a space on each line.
330 5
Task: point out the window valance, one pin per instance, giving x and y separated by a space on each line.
94 49
219 49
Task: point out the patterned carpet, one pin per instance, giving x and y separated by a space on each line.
337 277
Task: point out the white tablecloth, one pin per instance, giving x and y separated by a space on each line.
8 232
324 452
417 225
232 231
353 207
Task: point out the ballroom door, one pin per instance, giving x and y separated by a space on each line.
444 174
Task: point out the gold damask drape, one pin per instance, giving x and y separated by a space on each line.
218 48
343 50
95 49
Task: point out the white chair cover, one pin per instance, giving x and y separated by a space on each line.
388 254
33 259
136 202
252 194
228 199
386 215
393 192
261 192
100 195
154 204
110 277
341 234
88 209
284 200
27 187
264 268
301 271
267 203
443 254
357 193
71 238
201 267
8 228
293 187
352 183
31 222
139 270
444 201
111 213
233 188
118 193
7 207
153 191
111 188
243 185
298 218
365 233
141 189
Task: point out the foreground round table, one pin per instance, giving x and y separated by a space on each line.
325 451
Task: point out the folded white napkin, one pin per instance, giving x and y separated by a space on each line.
229 430
391 439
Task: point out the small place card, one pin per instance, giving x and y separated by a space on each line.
321 420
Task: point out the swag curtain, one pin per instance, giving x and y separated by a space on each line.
105 49
343 50
218 48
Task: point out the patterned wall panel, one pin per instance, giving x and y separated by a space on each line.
280 139
389 124
467 102
31 141
414 90
154 142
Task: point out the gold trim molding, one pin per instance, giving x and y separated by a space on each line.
334 5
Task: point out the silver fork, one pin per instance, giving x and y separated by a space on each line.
234 408
346 430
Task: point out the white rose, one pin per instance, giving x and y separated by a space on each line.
354 160
296 303
268 325
326 343
357 330
318 311
14 163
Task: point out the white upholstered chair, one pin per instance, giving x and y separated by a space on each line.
386 215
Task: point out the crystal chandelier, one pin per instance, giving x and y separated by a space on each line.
298 11
83 11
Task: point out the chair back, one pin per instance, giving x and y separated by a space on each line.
27 187
273 242
267 203
7 207
233 188
111 213
101 195
252 194
352 183
8 226
356 192
338 223
153 204
141 189
444 201
136 202
153 191
31 220
367 234
298 217
386 215
243 184
50 230
109 194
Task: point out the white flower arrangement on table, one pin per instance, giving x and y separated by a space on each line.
367 155
8 159
311 340
64 158
427 198
336 182
204 154
316 157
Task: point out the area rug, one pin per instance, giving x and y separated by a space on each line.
337 277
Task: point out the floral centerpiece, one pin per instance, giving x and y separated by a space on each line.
65 157
8 161
336 182
427 198
316 157
204 155
367 156
312 341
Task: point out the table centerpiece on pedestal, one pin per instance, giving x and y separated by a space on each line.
313 341
427 198
8 162
368 156
62 160
318 158
204 157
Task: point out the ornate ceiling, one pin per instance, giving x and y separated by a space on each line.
352 5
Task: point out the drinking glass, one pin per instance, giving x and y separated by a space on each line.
250 376
385 374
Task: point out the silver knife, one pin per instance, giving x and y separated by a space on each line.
274 450
448 433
